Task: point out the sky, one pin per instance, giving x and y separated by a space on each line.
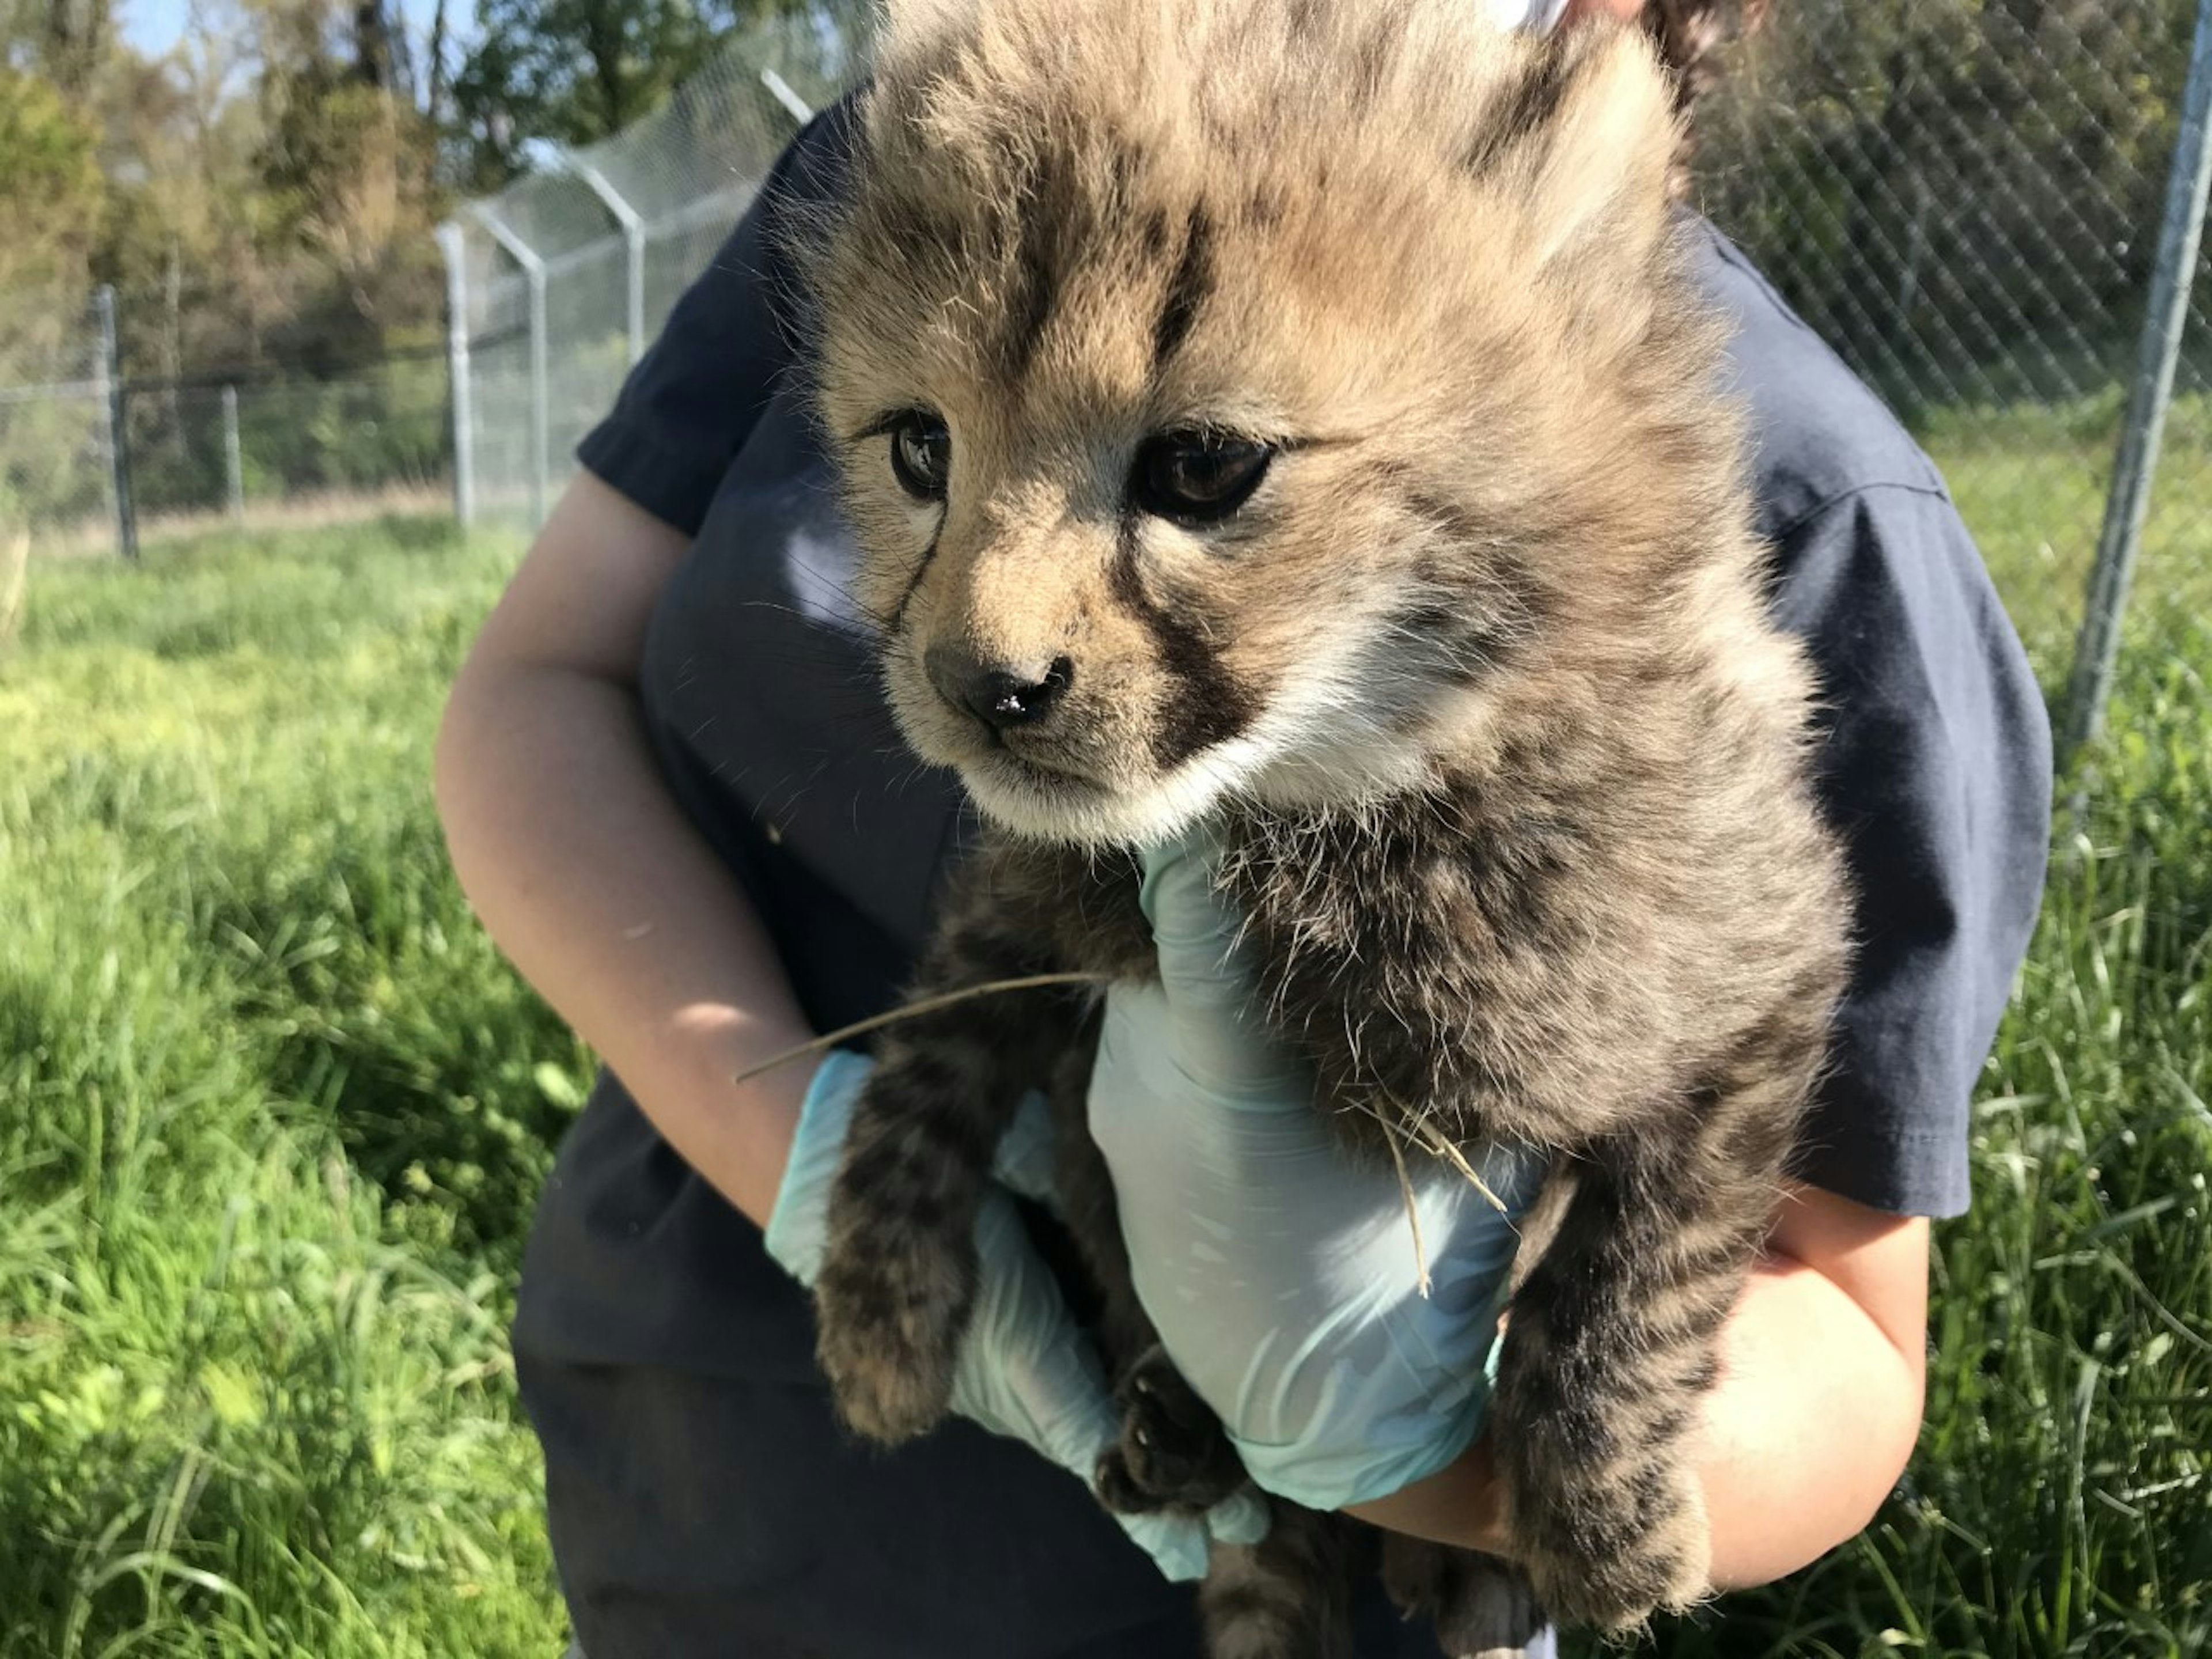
155 26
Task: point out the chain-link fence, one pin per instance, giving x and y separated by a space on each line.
558 283
122 424
94 458
269 449
57 459
1964 198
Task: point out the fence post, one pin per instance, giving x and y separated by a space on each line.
633 230
453 245
780 89
2097 650
234 462
110 380
534 271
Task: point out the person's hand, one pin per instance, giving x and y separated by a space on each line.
1280 1271
1026 1371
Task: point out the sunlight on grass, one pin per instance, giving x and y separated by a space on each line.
269 1126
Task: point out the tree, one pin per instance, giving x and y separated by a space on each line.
345 175
51 195
76 37
576 70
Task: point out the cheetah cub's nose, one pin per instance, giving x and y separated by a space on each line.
1000 695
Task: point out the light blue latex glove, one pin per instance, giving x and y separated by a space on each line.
1281 1272
1026 1370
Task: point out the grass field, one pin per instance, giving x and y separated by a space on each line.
272 1113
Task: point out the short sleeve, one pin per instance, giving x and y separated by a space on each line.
696 396
1935 766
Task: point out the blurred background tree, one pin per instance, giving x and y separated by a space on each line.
51 194
575 70
263 189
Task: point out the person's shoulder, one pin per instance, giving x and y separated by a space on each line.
1820 436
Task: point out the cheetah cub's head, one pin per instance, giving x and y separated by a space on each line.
1235 397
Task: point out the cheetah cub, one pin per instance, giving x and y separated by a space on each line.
1295 416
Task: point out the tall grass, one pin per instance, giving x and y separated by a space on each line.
272 1113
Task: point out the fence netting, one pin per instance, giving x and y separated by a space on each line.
55 469
95 437
682 178
371 441
1964 198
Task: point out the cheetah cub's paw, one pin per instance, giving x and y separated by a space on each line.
1173 1454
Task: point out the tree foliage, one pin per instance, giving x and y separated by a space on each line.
49 160
1963 194
573 71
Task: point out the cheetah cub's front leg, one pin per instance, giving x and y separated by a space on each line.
1615 1342
898 1279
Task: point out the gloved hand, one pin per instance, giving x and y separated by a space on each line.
1281 1272
1026 1370
1537 16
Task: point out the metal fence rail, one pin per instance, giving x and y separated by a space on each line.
2166 323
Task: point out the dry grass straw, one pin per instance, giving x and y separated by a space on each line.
926 1006
1425 1134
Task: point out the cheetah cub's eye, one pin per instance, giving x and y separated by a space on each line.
921 454
1195 478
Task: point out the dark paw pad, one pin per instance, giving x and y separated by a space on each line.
1173 1454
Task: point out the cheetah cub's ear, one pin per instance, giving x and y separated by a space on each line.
1581 144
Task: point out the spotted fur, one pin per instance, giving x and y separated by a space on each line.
1476 690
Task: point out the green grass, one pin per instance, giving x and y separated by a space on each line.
272 1113
2031 483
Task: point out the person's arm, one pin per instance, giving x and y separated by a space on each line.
1816 1411
585 871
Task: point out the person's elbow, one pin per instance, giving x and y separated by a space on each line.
457 752
1905 1403
1820 1405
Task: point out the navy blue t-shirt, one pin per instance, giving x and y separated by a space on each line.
642 1285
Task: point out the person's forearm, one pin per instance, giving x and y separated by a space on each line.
1815 1416
586 873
